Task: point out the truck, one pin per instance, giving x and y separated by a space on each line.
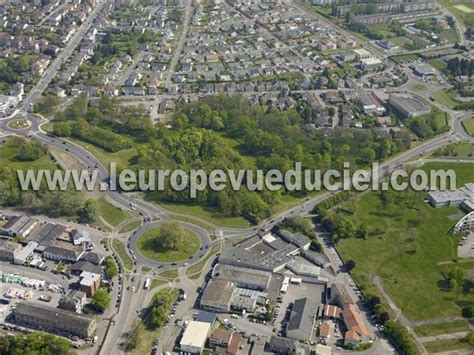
147 283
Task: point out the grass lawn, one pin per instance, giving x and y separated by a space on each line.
194 271
169 274
121 157
446 345
455 151
112 214
445 98
442 328
119 247
407 239
145 244
468 125
213 216
437 63
405 58
156 283
130 226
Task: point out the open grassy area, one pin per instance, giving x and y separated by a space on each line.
169 274
455 151
11 149
442 328
18 124
407 239
157 282
438 346
445 98
112 214
463 10
468 125
130 226
146 246
194 271
208 214
121 157
119 247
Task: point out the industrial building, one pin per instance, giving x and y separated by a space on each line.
54 320
409 107
243 277
19 226
463 197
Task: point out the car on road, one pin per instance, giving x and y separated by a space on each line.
133 288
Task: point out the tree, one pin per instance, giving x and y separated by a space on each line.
34 343
101 300
111 267
88 212
350 264
171 236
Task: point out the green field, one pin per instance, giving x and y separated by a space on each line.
461 9
213 216
194 271
112 214
438 346
445 98
407 239
455 151
169 274
442 328
119 247
468 125
121 157
145 244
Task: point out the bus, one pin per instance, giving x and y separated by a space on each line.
146 286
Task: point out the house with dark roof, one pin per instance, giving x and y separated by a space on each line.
300 324
279 345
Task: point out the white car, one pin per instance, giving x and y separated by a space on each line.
133 288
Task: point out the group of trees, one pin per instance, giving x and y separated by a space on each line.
224 132
401 338
111 268
15 66
427 126
34 343
159 309
457 67
101 300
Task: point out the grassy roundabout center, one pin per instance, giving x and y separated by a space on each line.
19 124
169 242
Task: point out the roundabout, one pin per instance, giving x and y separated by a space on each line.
19 124
141 245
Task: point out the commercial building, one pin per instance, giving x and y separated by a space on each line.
300 324
55 320
217 296
279 345
409 107
89 283
460 197
194 337
297 239
371 104
64 252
